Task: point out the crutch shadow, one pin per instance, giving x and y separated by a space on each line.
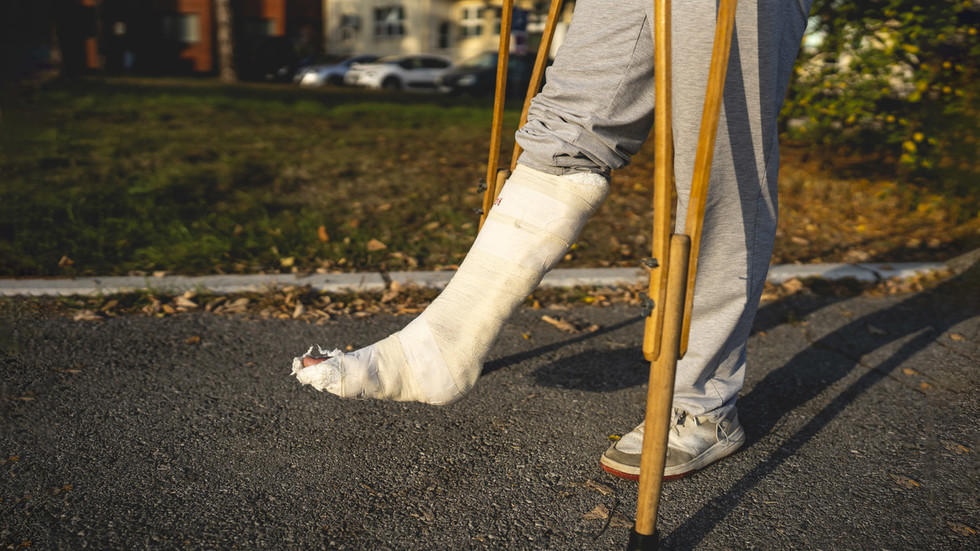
920 319
612 370
512 359
597 371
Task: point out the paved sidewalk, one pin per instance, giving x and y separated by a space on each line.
187 431
375 281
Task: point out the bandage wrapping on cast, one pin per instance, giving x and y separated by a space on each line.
439 355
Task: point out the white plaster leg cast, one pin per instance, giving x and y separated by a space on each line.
439 355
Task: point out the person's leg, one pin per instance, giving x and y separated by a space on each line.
539 214
740 218
438 356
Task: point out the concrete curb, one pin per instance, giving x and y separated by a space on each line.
375 281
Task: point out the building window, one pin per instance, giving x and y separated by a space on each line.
350 20
389 21
472 22
182 27
258 26
497 14
349 25
445 34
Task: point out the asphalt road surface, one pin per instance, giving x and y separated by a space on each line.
188 432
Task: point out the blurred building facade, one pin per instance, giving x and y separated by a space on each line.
455 28
179 37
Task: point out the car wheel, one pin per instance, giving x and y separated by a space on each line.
392 83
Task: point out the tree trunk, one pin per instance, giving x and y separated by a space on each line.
226 41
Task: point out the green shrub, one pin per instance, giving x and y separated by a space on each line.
896 79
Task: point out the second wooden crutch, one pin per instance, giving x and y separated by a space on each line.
671 288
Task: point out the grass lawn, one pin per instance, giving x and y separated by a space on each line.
117 176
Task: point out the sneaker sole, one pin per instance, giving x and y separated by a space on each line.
711 455
626 474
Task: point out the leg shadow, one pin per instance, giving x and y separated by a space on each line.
921 318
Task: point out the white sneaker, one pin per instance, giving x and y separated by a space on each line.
695 442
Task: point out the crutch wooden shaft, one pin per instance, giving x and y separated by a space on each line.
706 146
497 125
681 268
498 186
660 393
537 75
663 177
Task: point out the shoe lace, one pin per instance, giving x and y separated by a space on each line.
679 418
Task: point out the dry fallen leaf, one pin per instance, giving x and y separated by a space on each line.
560 324
909 371
792 285
961 529
238 304
86 315
601 488
392 292
184 302
619 521
956 336
375 245
321 232
955 446
905 481
600 512
192 340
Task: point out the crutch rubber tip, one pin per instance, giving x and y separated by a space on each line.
643 542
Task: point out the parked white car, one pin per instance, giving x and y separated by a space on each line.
399 72
331 73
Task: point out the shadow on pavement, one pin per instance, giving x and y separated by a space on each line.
918 321
512 359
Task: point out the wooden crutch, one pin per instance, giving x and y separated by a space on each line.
671 287
495 176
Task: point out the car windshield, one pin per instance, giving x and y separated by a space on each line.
482 61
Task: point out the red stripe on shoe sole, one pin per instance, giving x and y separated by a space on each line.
636 477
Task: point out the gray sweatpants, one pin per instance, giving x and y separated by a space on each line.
597 109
